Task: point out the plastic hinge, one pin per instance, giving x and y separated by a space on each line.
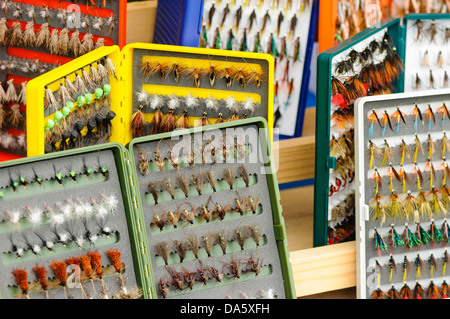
366 212
280 232
331 162
131 181
135 202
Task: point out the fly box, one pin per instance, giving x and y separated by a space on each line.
38 36
192 213
68 227
393 56
402 195
144 89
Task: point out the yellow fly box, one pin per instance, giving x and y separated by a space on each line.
113 95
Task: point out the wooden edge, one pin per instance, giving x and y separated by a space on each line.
141 17
294 159
323 269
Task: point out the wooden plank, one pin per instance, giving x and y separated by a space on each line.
141 17
309 125
323 269
294 159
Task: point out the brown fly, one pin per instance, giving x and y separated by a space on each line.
143 162
162 250
159 159
158 221
192 244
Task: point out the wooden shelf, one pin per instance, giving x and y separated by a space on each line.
322 272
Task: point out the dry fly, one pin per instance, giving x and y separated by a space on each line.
227 75
181 249
229 176
211 177
254 265
195 74
143 162
215 274
159 159
159 222
197 181
174 218
153 189
222 242
205 213
169 188
189 277
244 175
150 69
239 237
163 288
176 70
173 159
192 243
220 212
188 215
183 184
207 243
202 274
241 204
432 31
162 250
255 77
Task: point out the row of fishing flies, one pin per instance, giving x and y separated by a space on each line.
87 80
206 153
238 14
216 42
68 19
186 279
230 74
18 181
431 32
221 239
197 180
274 4
376 75
412 238
30 67
343 149
162 123
276 50
190 215
73 222
59 213
435 78
57 42
92 270
76 108
418 292
426 115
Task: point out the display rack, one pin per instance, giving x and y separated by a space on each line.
270 25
